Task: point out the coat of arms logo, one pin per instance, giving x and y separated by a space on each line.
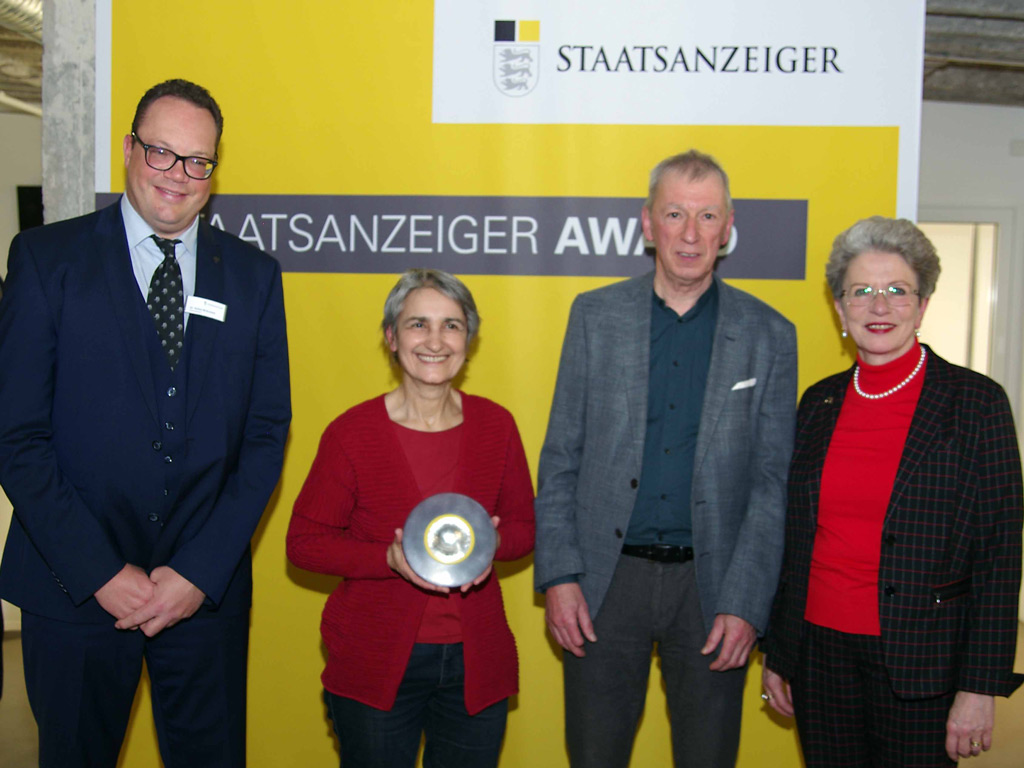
516 62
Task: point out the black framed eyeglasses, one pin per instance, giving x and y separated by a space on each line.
163 159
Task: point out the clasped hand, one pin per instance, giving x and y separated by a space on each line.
149 602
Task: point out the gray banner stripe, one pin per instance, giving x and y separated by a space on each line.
572 236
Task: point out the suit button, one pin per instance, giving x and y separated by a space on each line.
157 445
168 426
171 391
633 483
618 533
154 517
890 590
168 460
890 540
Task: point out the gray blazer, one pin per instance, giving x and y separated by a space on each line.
591 460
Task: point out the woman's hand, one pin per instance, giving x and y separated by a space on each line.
969 725
398 563
487 571
780 696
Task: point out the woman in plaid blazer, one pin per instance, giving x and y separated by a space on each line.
895 621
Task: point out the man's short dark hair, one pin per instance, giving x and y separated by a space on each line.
180 89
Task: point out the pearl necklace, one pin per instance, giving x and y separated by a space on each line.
897 388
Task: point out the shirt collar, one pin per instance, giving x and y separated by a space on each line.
710 295
137 230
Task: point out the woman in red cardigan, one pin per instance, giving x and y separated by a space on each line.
895 621
406 658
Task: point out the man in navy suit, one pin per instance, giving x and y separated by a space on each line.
144 376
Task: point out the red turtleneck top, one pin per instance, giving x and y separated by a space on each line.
856 482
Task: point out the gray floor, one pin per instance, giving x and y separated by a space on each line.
18 730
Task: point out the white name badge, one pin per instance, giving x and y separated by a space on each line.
214 310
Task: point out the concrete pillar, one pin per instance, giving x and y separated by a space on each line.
69 96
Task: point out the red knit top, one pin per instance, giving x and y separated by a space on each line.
359 490
856 483
433 458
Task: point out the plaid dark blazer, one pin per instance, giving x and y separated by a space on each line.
951 543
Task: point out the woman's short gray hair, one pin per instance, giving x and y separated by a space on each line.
884 235
442 282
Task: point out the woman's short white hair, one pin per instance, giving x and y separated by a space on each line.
884 235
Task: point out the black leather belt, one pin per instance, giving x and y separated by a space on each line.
659 553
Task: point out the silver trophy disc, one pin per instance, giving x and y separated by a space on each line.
448 539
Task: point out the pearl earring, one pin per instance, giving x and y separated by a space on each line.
843 334
917 332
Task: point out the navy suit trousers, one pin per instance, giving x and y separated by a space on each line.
82 678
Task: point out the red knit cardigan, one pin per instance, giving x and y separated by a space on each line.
359 490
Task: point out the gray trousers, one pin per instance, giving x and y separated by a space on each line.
650 606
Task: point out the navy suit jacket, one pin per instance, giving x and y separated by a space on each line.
80 433
951 541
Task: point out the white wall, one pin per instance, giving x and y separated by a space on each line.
968 167
968 170
20 165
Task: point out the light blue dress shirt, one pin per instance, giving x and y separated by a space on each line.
146 255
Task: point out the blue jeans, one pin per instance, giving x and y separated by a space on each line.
430 702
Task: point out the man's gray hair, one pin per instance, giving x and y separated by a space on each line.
444 283
878 233
693 166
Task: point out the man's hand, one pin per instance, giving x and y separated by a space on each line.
780 696
174 598
129 590
568 617
737 637
969 725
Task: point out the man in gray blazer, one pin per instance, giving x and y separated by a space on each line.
663 483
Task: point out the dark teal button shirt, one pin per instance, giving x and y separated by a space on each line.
680 359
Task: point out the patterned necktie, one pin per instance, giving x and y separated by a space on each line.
166 300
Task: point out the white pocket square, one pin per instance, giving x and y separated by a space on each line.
744 384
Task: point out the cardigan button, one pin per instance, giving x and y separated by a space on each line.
618 533
633 483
